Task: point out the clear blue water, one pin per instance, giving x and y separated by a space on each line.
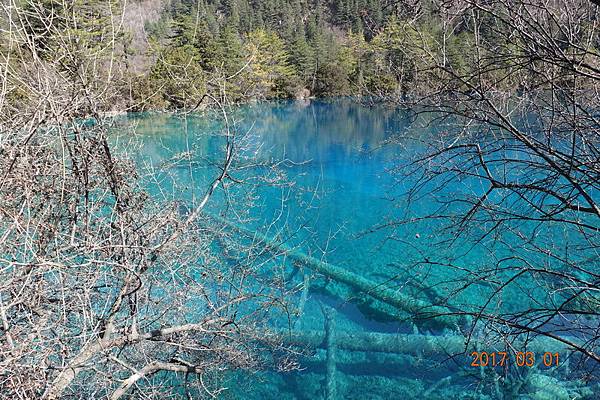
341 191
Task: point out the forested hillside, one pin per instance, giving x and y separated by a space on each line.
272 49
300 48
170 54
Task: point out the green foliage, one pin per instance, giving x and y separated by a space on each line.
302 58
176 80
275 48
229 56
194 32
83 40
332 80
265 49
278 48
269 71
79 28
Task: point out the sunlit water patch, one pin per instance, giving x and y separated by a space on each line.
335 156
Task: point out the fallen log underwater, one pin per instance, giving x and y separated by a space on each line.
416 344
350 352
331 345
419 309
374 353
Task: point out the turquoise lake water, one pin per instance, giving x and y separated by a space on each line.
342 190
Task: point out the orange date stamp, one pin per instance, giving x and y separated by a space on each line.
519 358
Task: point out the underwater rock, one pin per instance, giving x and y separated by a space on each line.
302 94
